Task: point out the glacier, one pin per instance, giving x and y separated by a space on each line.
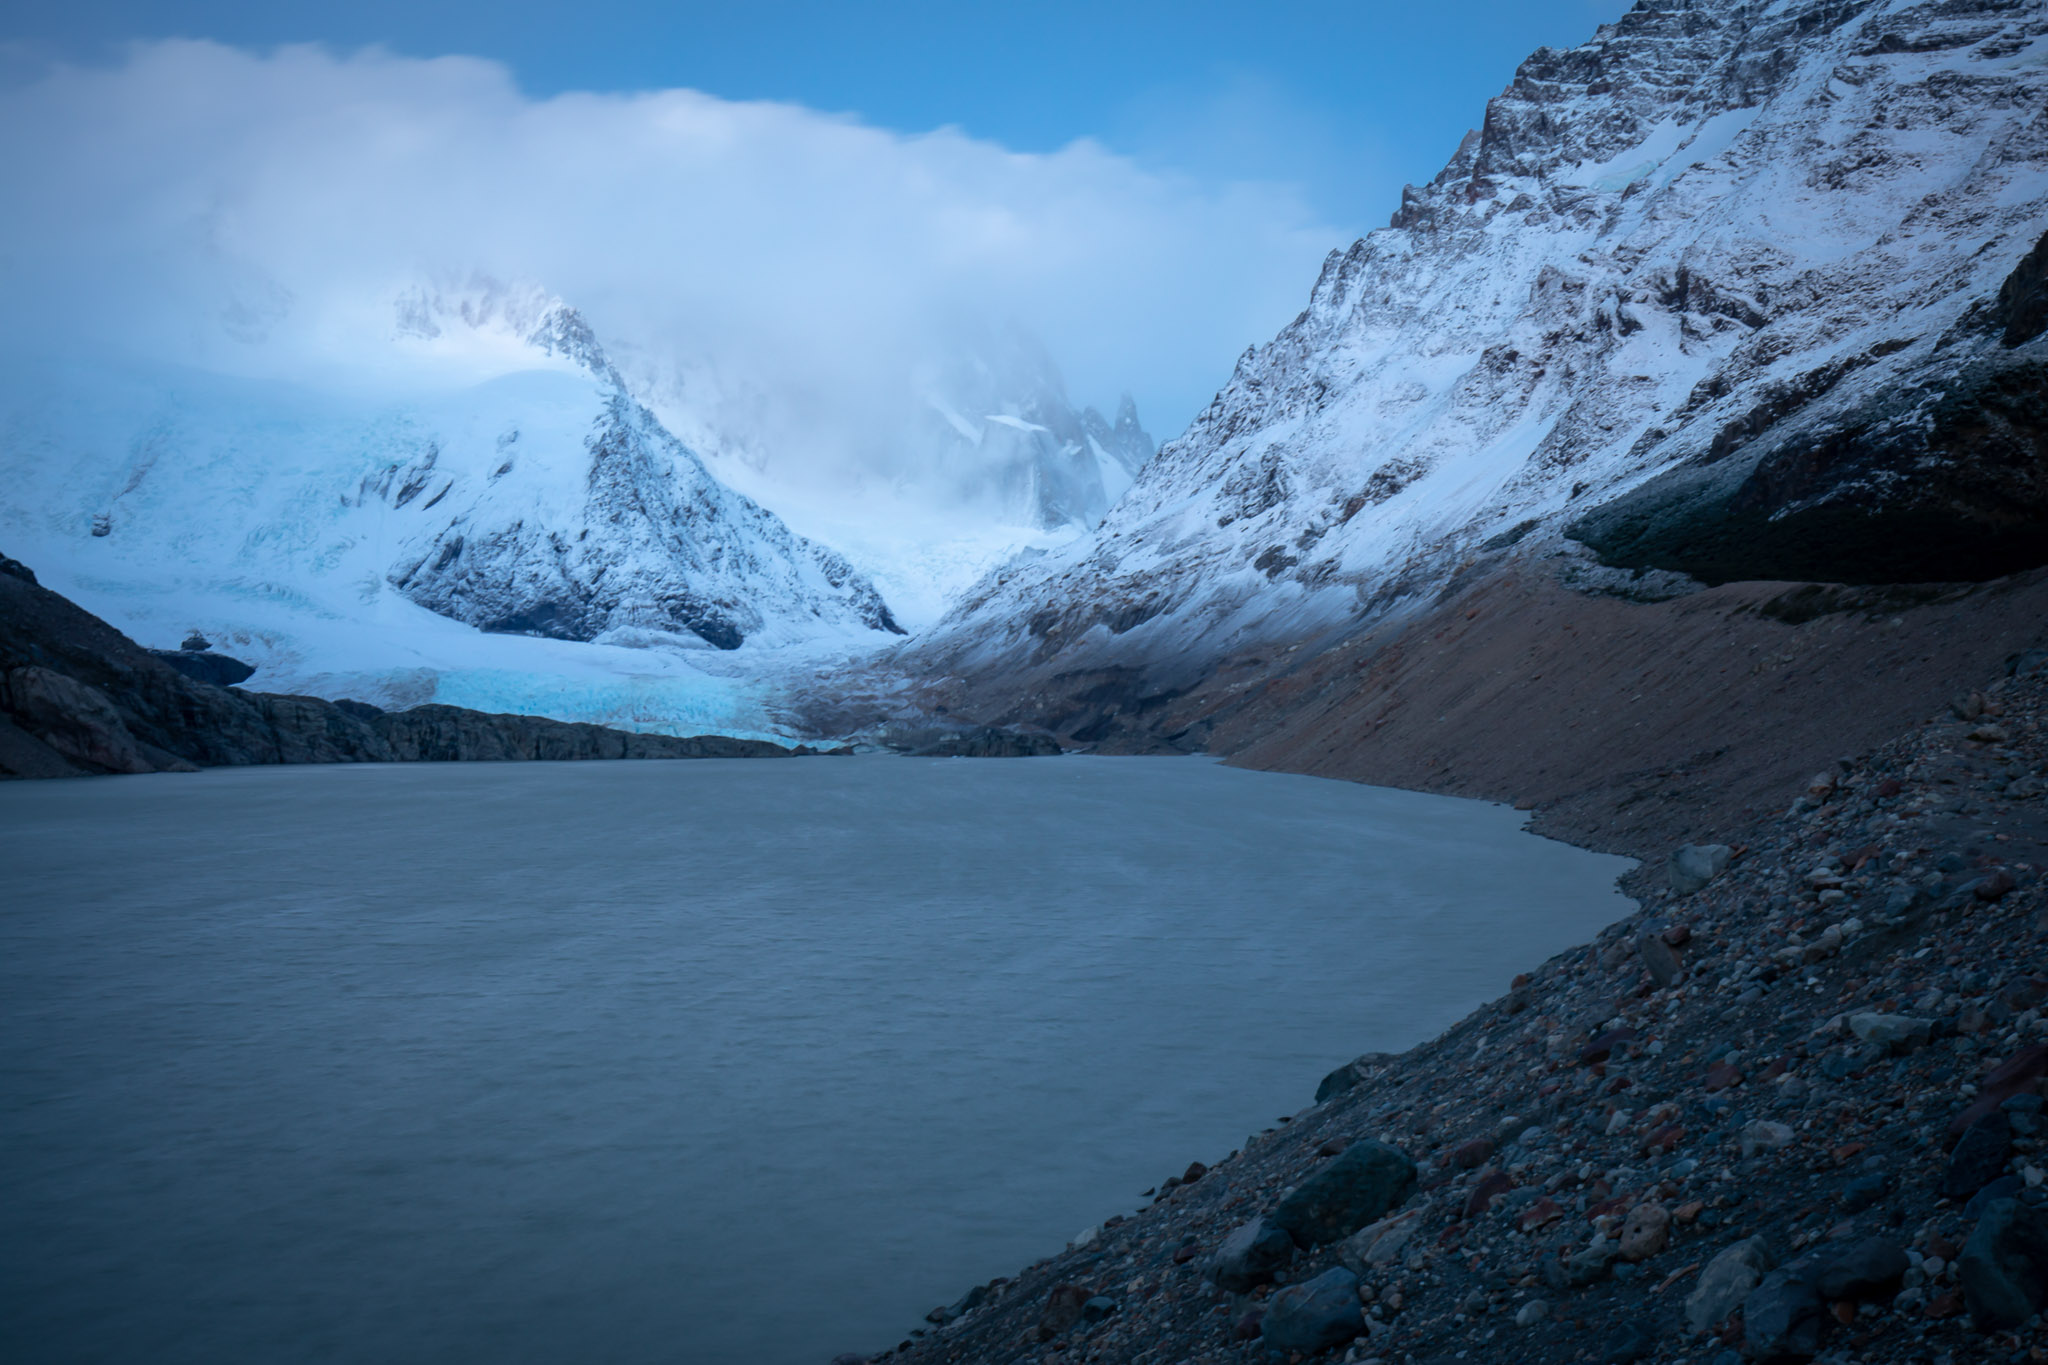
530 540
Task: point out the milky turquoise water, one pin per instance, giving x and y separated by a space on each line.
720 1061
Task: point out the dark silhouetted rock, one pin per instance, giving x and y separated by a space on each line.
1784 1318
1362 1186
2004 1265
1726 1282
208 667
1250 1255
1869 1268
1314 1315
1979 1158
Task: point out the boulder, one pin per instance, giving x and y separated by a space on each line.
1313 1315
1368 1181
1692 866
1726 1282
1765 1135
1062 1310
1644 1233
1379 1244
1979 1158
1784 1318
1890 1030
1660 959
206 666
1867 1269
2004 1266
1249 1256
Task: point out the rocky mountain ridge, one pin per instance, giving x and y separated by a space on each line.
1733 291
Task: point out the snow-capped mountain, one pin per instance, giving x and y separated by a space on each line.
1717 292
965 463
513 485
1002 433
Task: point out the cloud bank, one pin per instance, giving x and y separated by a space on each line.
259 212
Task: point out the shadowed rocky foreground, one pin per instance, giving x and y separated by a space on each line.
1789 1110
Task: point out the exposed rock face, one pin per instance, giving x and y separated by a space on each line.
77 696
1729 292
1002 425
646 539
206 666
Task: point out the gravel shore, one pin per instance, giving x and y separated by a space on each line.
1790 1109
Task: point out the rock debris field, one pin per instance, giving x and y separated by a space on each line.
1789 1110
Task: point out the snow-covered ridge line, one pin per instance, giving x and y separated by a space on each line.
1711 237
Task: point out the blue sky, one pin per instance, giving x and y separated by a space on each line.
1346 100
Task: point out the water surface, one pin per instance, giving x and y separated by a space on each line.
707 1062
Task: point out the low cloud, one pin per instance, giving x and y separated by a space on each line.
260 213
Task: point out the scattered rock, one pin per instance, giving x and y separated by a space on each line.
2004 1266
1364 1184
1531 1313
1645 1232
1726 1282
1379 1244
1890 1030
1660 959
1062 1310
1315 1314
1784 1318
1629 1343
1764 1135
1979 1158
1870 1267
1249 1256
1694 865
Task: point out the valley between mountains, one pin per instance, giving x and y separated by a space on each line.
1673 465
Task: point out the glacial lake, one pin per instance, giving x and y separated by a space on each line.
698 1063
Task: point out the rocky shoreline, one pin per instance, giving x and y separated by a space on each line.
1790 1109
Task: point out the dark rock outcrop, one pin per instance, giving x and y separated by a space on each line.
206 666
77 696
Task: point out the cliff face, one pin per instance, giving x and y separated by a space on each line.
1734 291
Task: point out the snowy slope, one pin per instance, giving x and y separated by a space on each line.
533 540
987 457
1714 227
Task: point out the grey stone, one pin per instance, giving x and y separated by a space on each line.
2005 1187
1378 1244
1360 1186
1784 1318
1692 866
1629 1343
1659 958
1250 1255
2004 1266
1531 1313
1890 1030
1979 1158
1868 1268
1864 1191
1726 1282
1315 1314
1765 1135
1591 1262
